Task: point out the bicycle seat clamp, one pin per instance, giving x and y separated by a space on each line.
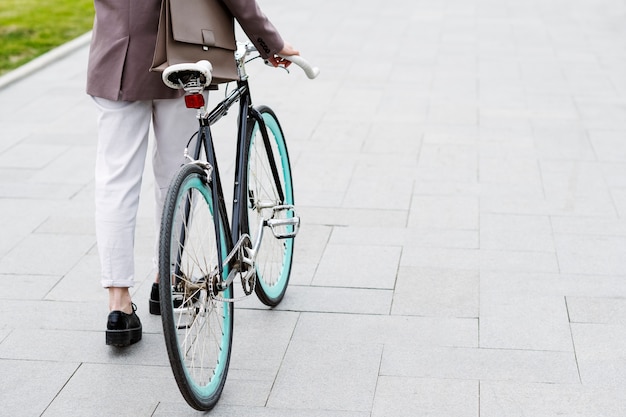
192 77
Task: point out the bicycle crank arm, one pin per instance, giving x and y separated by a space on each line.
243 244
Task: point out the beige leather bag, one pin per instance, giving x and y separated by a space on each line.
191 30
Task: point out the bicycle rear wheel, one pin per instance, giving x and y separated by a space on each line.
270 186
198 328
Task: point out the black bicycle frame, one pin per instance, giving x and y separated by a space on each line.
239 224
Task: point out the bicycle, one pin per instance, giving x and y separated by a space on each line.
201 254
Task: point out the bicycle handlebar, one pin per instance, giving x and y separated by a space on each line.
310 71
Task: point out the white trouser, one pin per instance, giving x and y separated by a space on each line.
123 129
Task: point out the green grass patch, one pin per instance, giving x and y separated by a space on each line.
29 28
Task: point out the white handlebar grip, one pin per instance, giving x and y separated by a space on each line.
310 71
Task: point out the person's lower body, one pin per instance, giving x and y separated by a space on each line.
123 131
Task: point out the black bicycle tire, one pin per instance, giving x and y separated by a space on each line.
193 397
264 296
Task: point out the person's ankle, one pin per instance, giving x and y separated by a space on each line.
120 300
128 309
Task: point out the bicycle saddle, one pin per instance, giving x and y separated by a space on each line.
188 74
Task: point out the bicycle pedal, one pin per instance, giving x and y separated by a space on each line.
288 225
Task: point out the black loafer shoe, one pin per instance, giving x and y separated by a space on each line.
155 300
123 329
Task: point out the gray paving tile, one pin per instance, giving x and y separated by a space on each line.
588 226
26 287
548 400
127 390
331 300
323 173
82 346
516 233
338 136
74 216
56 254
21 156
619 197
303 273
549 107
428 257
350 217
382 194
483 364
385 167
518 261
331 376
453 112
80 284
569 143
245 388
436 293
439 212
567 180
532 284
36 191
311 240
614 174
504 119
514 198
598 310
4 333
400 396
64 168
533 205
600 353
602 114
261 338
580 254
447 162
524 322
399 138
447 188
404 331
512 170
12 134
405 236
20 377
451 134
358 266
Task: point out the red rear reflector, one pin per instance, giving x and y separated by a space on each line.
194 101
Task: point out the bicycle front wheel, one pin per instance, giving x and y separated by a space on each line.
197 323
270 187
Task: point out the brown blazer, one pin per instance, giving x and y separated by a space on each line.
123 40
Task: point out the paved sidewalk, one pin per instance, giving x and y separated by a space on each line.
460 168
